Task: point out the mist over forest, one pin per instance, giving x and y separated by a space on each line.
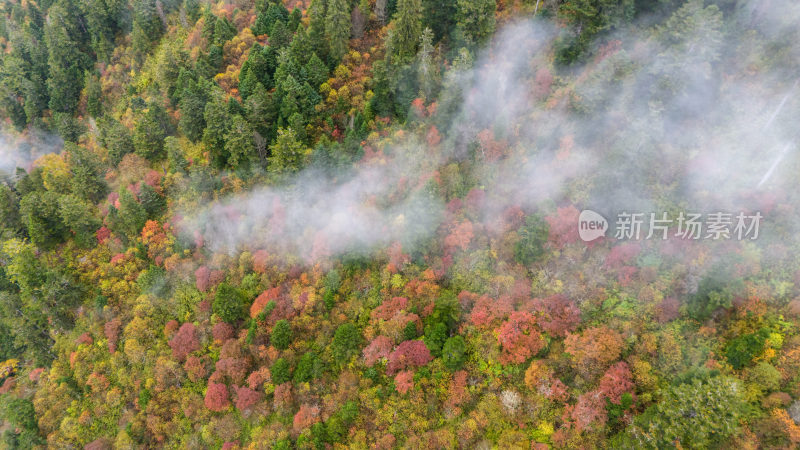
323 224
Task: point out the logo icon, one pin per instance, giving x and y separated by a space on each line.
591 225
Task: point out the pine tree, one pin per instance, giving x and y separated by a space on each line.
78 218
65 43
131 216
217 121
301 46
239 144
316 28
288 153
116 138
427 69
407 29
315 71
86 173
439 16
149 134
337 28
10 220
279 35
192 106
475 19
262 113
94 95
281 336
40 213
147 27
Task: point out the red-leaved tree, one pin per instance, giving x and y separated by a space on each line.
389 308
457 392
195 368
557 315
185 341
408 354
616 381
519 338
246 398
563 226
404 381
379 348
594 350
305 417
217 397
112 330
485 310
201 277
221 331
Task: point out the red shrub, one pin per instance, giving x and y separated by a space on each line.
36 374
590 409
257 378
8 385
305 417
595 349
282 397
518 338
84 339
170 328
487 310
217 397
622 255
542 83
563 226
103 234
668 310
379 348
404 381
554 389
153 179
112 329
221 332
216 277
419 106
625 275
460 236
457 391
260 261
558 315
201 276
521 290
184 342
246 398
433 137
195 368
113 199
616 381
397 259
389 308
234 368
261 301
475 199
99 444
408 354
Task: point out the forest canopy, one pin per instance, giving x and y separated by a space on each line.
322 224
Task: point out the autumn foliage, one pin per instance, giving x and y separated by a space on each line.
519 338
185 341
409 354
217 397
594 349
